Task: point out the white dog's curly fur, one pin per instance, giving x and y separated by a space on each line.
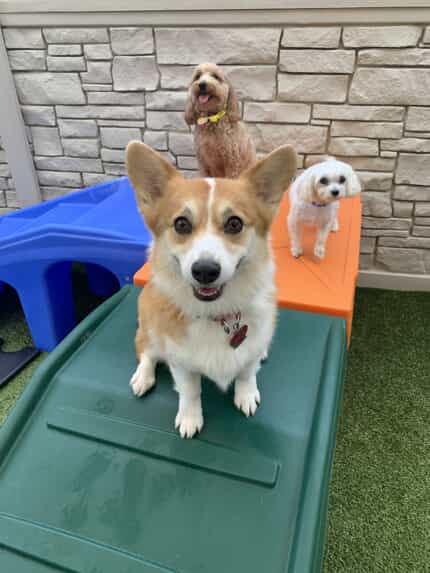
314 200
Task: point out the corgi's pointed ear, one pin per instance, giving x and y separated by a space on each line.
148 172
271 176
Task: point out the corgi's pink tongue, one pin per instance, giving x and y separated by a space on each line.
203 98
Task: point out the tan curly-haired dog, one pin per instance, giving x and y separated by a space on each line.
223 146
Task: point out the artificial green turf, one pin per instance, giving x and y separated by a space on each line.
379 514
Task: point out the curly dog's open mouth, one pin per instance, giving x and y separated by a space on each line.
204 98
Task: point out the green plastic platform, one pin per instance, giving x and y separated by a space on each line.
93 480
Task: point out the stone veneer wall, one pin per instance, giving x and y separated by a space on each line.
360 93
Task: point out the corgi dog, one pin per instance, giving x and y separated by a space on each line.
209 307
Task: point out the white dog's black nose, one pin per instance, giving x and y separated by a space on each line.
202 87
335 192
205 271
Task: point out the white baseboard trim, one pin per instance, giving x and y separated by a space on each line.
393 281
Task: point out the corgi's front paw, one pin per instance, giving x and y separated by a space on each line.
142 380
247 399
189 421
296 252
319 251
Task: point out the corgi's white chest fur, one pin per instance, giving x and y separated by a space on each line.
206 347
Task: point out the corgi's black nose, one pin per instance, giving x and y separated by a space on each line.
202 87
205 271
335 192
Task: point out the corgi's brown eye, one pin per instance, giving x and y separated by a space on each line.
324 181
183 226
233 226
342 179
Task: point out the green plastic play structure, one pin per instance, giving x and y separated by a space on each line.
93 480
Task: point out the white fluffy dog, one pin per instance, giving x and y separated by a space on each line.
314 200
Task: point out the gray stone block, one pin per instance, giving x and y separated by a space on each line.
366 129
411 193
23 38
78 128
408 144
113 155
422 210
317 61
398 86
367 245
166 100
312 87
91 179
388 57
376 204
97 51
116 169
66 63
64 50
27 60
135 73
187 162
68 164
350 146
116 98
166 120
305 138
418 119
175 77
132 41
223 46
118 137
46 141
253 82
38 115
413 169
157 139
181 143
76 35
81 147
358 112
101 112
402 208
97 87
47 88
276 112
376 181
311 37
98 73
59 178
381 36
401 260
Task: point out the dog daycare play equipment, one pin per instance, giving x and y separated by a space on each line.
307 283
99 226
114 488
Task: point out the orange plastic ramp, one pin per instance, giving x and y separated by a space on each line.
308 284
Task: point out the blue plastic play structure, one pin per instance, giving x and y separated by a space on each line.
99 226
